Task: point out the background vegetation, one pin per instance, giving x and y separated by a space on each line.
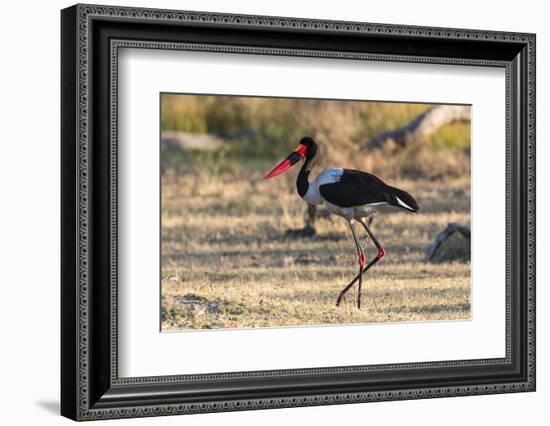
227 257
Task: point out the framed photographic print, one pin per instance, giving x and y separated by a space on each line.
263 212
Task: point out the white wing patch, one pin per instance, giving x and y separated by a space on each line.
329 175
313 196
403 204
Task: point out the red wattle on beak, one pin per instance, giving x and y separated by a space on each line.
279 168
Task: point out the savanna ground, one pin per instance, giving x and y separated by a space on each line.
228 260
228 263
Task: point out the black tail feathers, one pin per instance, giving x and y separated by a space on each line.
404 199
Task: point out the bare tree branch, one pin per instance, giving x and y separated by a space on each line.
422 126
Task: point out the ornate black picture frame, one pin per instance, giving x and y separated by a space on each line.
91 36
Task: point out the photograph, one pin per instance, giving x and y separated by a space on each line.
287 209
292 212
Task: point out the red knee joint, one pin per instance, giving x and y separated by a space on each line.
362 259
381 252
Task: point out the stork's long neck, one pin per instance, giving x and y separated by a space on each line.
302 183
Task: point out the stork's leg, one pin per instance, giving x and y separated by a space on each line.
367 238
381 253
361 257
369 223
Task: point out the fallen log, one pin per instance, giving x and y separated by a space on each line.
422 126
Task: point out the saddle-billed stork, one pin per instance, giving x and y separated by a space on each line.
352 194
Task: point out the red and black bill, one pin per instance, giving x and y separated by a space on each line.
296 155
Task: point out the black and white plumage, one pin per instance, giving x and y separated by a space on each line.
352 194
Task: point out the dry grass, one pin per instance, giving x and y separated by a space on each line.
226 261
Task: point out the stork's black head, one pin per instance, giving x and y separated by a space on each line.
307 149
311 146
